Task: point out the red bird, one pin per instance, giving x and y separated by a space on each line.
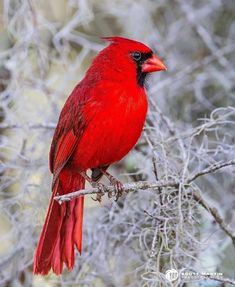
99 124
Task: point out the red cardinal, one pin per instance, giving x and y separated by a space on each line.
99 124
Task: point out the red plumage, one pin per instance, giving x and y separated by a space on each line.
99 124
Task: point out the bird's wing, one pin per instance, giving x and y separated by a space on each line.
80 108
72 122
61 152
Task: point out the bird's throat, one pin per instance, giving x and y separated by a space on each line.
140 77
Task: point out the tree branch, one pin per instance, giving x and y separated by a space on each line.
127 187
217 217
222 280
212 168
144 185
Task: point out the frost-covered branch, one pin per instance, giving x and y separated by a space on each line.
215 214
222 280
144 185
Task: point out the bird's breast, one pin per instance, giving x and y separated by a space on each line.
113 131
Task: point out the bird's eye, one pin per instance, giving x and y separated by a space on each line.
136 56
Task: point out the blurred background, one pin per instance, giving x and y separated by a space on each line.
45 49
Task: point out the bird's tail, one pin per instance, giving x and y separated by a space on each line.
62 228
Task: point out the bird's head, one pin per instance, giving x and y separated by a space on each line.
132 58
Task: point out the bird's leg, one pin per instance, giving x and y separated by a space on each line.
115 182
101 187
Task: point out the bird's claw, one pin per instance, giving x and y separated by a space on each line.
98 197
118 186
102 188
119 189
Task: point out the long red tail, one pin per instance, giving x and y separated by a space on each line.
62 228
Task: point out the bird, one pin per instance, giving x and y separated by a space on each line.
100 122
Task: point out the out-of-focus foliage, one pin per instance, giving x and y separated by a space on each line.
45 48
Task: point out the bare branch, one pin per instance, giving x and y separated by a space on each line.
143 185
127 187
212 168
222 280
215 213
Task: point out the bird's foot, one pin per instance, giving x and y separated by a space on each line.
101 187
117 185
119 189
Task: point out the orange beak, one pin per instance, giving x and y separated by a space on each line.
153 64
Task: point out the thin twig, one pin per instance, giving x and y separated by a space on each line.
217 217
222 280
212 168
